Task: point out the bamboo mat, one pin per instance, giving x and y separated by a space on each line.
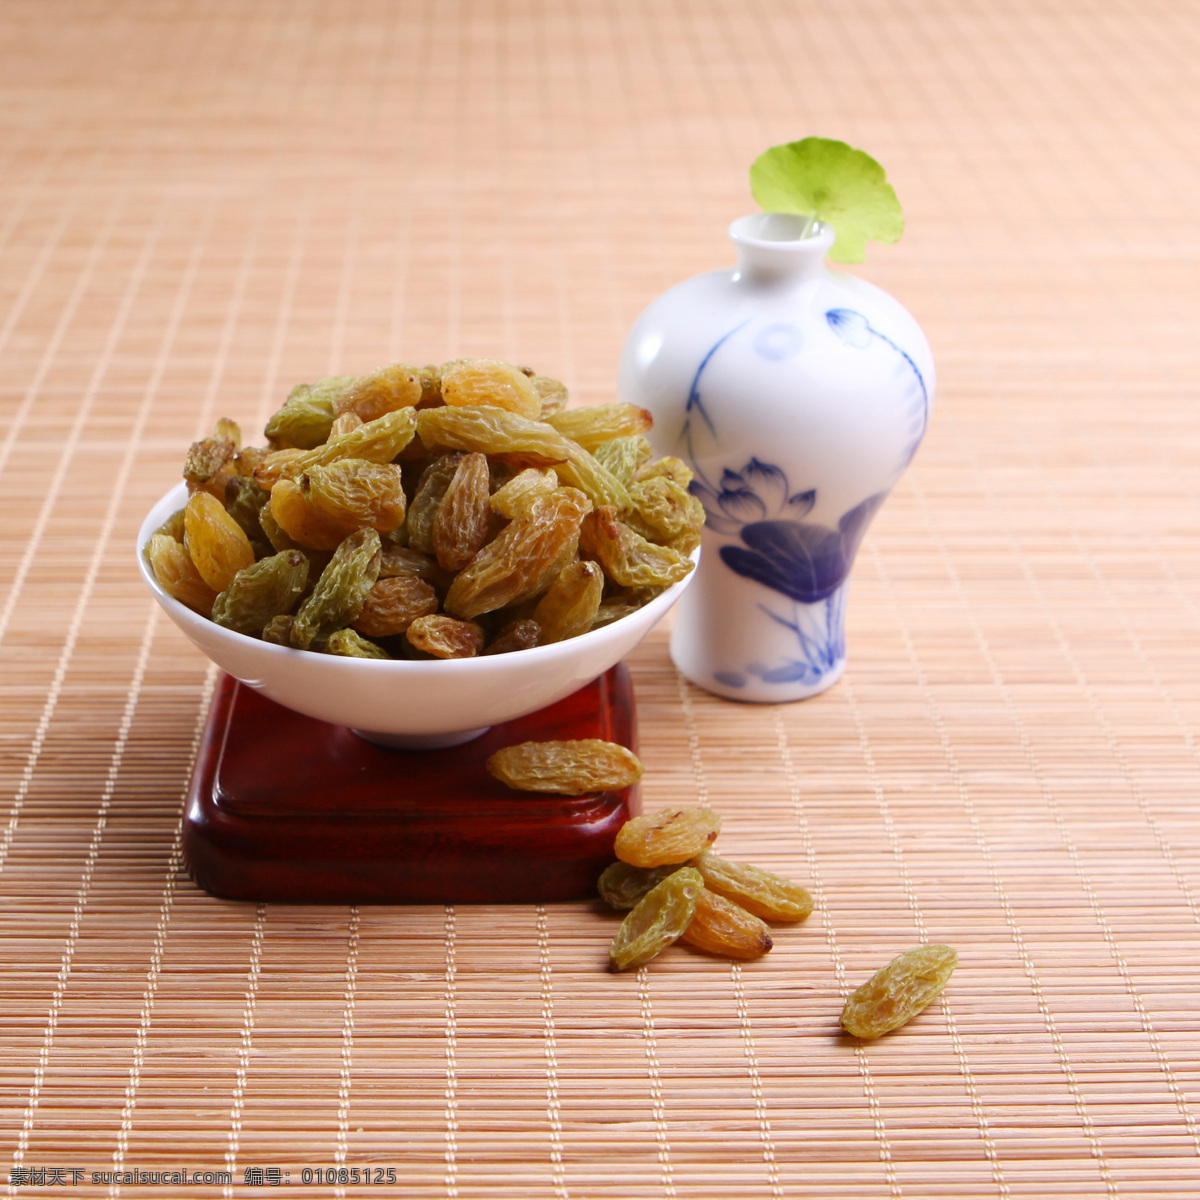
205 201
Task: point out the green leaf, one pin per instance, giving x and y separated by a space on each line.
835 183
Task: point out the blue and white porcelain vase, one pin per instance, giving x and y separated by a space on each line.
797 395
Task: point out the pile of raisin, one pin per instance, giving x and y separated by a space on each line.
428 512
677 889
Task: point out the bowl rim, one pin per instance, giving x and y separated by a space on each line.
183 615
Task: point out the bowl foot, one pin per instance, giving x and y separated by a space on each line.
421 741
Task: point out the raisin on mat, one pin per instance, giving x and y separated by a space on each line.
897 992
764 894
721 927
672 836
658 919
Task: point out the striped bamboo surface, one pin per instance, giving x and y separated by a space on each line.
205 201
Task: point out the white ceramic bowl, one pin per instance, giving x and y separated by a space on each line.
409 705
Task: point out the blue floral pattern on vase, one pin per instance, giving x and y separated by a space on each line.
803 560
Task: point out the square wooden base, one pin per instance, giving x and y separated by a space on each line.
283 807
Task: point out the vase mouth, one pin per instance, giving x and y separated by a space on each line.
777 242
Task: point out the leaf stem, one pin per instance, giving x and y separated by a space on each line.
809 226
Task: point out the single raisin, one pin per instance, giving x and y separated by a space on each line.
341 591
523 558
897 992
657 920
354 493
622 886
721 927
487 381
177 574
445 637
671 836
766 895
592 425
462 520
347 643
628 558
566 768
375 395
571 603
516 635
215 541
306 416
263 590
393 604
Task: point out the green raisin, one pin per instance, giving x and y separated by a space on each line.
341 591
898 992
621 886
265 589
350 644
659 919
304 421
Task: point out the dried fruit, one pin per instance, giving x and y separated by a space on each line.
764 894
571 603
566 768
278 630
622 886
338 598
523 558
665 512
344 423
621 604
431 487
265 589
375 395
248 459
628 558
594 424
521 442
306 416
668 466
671 836
349 644
208 466
291 511
487 381
659 919
623 456
431 387
404 560
215 541
493 527
244 500
279 538
173 526
897 992
177 574
721 927
444 637
377 441
462 520
354 493
522 489
516 635
551 392
393 604
228 430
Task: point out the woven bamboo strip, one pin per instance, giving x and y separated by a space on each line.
203 204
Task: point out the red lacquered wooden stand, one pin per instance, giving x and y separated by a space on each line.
283 807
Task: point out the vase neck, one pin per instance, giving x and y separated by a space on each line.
773 247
